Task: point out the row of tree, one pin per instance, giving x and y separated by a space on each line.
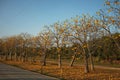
82 35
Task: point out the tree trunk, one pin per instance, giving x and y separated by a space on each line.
86 64
44 59
11 56
73 59
59 60
92 64
16 58
23 57
6 56
31 60
91 58
20 57
26 57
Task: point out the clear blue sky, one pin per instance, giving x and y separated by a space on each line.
17 16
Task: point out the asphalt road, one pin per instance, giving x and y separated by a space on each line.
8 72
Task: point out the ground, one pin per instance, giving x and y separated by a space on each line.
70 73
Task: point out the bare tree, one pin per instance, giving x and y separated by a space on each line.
109 18
24 44
60 37
44 40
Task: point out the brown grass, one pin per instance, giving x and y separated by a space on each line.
69 73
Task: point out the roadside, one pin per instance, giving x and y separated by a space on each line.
69 73
8 72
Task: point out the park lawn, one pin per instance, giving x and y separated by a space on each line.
67 72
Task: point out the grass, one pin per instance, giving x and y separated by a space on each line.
68 73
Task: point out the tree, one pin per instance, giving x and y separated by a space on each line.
12 46
44 39
79 29
75 48
110 20
84 30
60 37
24 44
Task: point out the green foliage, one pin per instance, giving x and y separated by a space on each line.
106 48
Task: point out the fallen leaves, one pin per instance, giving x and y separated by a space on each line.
69 73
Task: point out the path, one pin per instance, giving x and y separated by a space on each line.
105 67
8 72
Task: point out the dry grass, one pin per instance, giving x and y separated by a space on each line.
69 73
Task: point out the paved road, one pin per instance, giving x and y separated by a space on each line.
8 72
